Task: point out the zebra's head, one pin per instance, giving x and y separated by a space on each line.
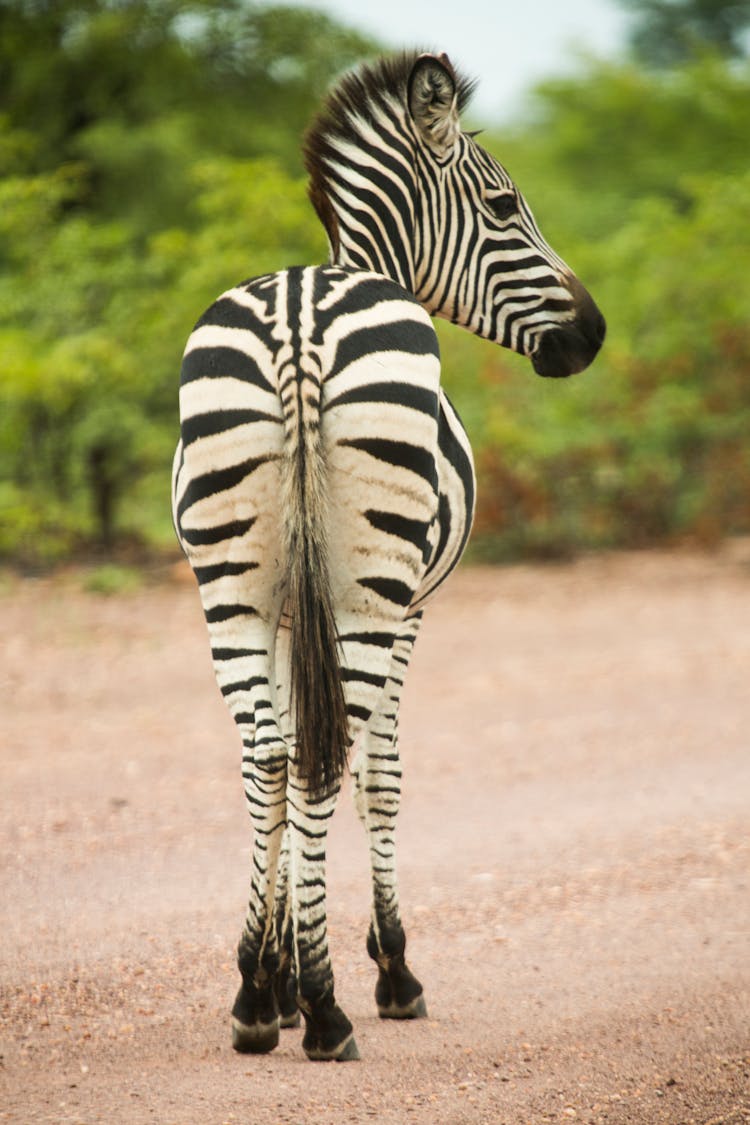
403 191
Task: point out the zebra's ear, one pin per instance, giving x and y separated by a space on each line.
433 103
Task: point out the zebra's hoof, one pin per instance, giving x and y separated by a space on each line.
345 1052
416 1009
329 1034
256 1040
291 1019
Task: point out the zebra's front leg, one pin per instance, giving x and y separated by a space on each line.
328 1031
377 796
255 1013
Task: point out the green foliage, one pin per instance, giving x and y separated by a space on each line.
651 443
668 32
600 143
91 339
149 159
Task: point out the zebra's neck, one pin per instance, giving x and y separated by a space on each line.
361 156
368 255
375 222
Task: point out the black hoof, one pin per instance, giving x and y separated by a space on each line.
415 1009
398 993
345 1052
293 1019
258 1039
328 1032
255 1020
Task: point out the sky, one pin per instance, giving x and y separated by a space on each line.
508 45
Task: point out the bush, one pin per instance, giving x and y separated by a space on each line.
130 202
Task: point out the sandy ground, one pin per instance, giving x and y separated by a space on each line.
574 843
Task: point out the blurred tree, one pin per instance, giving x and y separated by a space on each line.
668 32
640 181
602 140
149 158
135 90
92 324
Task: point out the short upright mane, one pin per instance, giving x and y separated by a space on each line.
356 98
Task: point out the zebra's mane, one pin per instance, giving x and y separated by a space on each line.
356 98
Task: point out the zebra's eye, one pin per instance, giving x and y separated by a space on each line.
503 206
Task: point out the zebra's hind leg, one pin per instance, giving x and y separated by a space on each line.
286 976
328 1031
245 676
255 1013
398 993
377 793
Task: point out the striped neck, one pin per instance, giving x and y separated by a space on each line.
361 156
375 230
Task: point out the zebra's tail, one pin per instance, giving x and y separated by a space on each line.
317 694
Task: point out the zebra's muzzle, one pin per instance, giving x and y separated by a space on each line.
571 347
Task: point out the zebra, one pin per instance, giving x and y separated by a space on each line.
323 490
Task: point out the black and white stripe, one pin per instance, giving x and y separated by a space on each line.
323 489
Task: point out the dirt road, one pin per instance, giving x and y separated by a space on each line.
574 842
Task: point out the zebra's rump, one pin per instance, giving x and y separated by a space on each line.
350 360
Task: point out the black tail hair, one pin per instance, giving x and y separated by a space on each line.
317 693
